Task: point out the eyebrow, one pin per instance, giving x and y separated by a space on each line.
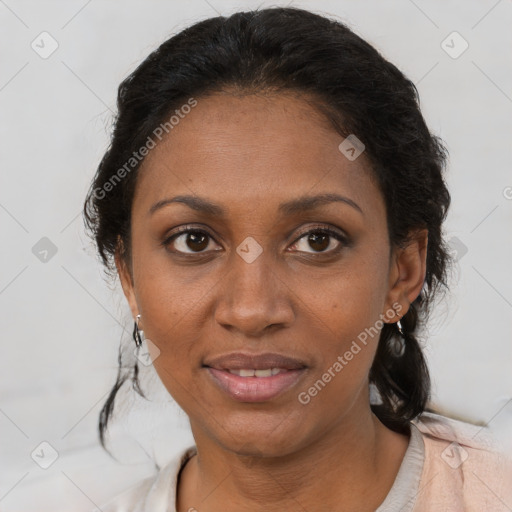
299 205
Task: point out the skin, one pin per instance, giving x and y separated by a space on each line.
248 154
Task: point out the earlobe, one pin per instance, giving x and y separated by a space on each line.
126 280
408 270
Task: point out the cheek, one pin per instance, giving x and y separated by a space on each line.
174 311
345 317
169 295
346 353
348 300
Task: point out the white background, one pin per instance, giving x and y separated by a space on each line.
61 323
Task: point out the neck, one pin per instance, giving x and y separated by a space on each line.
351 467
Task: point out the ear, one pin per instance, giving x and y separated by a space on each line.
407 272
125 276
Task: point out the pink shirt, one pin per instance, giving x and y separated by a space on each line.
449 466
463 469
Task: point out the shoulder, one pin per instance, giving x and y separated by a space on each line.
464 468
131 500
154 493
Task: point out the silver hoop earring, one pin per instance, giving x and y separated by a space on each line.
399 327
397 343
138 335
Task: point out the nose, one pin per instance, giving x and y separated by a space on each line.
254 298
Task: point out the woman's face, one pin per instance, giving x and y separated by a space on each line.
250 279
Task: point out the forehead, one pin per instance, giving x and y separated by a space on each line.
237 149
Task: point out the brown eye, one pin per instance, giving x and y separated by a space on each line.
189 241
320 240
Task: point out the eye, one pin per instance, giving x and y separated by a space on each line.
189 240
320 239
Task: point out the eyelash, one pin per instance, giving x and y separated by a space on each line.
317 229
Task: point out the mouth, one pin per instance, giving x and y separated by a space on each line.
268 372
249 385
255 378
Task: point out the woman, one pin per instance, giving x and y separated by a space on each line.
272 202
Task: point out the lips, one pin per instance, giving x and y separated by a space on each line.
255 377
264 361
255 389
